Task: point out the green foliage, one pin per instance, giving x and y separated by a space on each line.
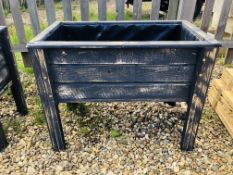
16 124
38 113
83 131
115 133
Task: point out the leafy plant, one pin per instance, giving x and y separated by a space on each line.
115 133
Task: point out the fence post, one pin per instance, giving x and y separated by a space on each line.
206 17
67 10
49 7
16 14
84 8
32 7
102 8
155 9
186 9
137 9
120 7
173 9
2 19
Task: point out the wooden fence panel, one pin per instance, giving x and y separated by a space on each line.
49 7
207 15
173 9
84 8
137 9
223 19
186 9
67 10
155 9
120 8
2 18
222 25
102 10
17 18
16 14
32 8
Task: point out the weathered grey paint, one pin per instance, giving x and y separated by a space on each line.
92 71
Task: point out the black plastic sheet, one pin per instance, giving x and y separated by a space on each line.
121 32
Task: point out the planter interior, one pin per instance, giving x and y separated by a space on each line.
122 32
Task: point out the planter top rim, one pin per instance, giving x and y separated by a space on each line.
2 28
205 40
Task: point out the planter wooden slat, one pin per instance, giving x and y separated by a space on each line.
108 63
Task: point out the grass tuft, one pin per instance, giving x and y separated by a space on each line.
115 133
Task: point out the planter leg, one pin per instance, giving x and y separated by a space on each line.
197 101
16 87
54 124
18 96
48 101
3 141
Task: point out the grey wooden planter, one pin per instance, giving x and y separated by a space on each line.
167 61
9 77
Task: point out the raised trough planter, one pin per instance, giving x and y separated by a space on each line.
167 61
9 78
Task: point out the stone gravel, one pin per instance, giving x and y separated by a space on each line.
114 138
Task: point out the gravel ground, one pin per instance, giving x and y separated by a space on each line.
112 138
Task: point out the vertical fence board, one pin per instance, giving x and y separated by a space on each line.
2 18
186 9
155 9
32 7
16 14
67 10
102 9
50 11
173 9
120 8
223 19
222 25
207 14
229 55
84 8
137 9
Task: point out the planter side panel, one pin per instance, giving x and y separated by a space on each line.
4 73
121 74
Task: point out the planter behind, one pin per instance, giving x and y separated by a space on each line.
9 78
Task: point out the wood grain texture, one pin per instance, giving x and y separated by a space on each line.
207 15
16 87
229 56
2 17
120 10
102 10
67 9
137 9
186 9
225 116
50 11
155 9
121 92
16 14
196 104
123 56
84 8
223 19
121 73
173 9
17 18
32 8
49 104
